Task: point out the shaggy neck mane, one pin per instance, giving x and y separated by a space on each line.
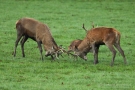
49 42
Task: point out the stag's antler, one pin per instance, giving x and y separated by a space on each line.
69 53
86 29
62 50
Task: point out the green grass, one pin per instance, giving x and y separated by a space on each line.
65 19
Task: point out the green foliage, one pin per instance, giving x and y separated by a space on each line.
65 19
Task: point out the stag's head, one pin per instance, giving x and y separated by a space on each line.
74 43
55 52
82 53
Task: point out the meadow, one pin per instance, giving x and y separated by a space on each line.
65 19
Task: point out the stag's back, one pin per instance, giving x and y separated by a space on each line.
33 28
103 34
27 26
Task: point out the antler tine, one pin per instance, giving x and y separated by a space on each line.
56 55
68 52
61 51
84 28
74 55
93 25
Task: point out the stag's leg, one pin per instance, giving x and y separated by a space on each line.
19 35
40 49
110 46
93 47
96 54
24 39
121 51
94 51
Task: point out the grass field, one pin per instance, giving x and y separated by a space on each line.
65 19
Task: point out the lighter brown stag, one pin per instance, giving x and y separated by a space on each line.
101 36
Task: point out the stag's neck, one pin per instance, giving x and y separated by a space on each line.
84 44
49 43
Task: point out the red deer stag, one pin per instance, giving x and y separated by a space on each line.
39 32
100 36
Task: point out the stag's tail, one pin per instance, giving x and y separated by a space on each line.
18 24
117 34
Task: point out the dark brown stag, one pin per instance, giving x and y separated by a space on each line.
39 32
101 36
